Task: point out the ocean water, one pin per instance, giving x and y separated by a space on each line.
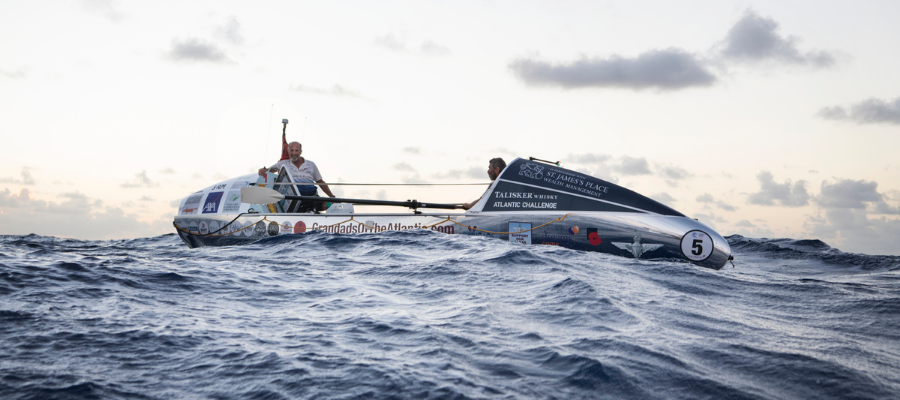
422 315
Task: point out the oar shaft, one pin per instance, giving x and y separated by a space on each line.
408 203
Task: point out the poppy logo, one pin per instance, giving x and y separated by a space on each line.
593 237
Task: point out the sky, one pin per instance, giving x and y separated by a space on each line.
767 119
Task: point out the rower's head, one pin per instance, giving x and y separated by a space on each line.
294 150
495 166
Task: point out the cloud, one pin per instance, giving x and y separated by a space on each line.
412 150
674 173
457 174
140 180
756 39
105 8
426 48
708 198
402 166
336 90
786 194
587 158
852 194
632 166
745 224
230 31
391 43
20 73
9 200
752 39
433 49
197 50
74 215
667 69
847 204
854 231
749 229
869 111
27 179
167 171
413 179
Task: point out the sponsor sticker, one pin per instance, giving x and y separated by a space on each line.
191 205
194 228
232 201
300 227
520 232
574 230
273 228
259 229
286 227
204 228
213 226
531 170
696 245
592 236
212 202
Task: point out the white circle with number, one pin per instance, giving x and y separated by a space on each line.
696 245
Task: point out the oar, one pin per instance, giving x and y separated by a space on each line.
261 195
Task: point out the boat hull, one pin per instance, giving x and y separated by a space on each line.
623 234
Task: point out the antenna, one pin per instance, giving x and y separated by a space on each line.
556 163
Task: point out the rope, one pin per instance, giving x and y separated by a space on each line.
374 229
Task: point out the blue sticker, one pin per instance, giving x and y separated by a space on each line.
212 202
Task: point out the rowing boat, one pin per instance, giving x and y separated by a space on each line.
530 203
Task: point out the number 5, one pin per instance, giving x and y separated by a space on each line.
697 247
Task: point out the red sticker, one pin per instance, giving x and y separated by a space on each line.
299 227
593 237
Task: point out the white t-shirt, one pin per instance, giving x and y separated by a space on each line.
308 172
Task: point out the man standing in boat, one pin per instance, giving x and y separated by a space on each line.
495 166
302 170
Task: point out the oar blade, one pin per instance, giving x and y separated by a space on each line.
259 195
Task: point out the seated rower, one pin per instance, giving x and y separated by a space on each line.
303 171
495 167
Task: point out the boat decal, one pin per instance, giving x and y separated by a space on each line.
637 248
300 227
568 184
273 228
536 198
697 245
232 202
520 232
556 239
593 237
212 202
532 170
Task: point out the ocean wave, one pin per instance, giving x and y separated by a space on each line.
426 315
